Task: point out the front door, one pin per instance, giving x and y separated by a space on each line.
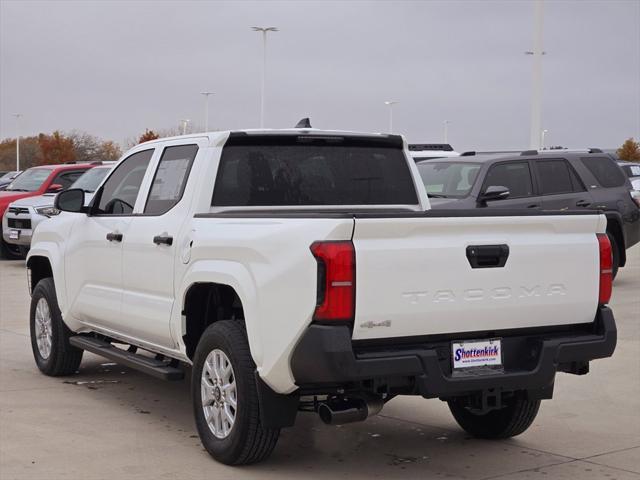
154 238
93 260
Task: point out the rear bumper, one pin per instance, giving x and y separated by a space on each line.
325 356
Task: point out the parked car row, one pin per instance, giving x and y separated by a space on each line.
29 198
545 180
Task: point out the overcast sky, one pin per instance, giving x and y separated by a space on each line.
114 68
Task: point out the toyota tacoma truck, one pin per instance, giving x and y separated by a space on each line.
302 270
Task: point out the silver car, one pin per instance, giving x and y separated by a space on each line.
24 215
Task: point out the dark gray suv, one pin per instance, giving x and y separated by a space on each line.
548 181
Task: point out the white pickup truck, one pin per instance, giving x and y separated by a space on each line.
303 270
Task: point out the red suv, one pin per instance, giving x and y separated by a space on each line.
33 182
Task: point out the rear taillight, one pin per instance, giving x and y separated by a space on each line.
606 273
336 280
635 196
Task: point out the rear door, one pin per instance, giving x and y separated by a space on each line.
559 185
517 177
414 276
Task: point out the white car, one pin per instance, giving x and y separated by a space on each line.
24 215
303 270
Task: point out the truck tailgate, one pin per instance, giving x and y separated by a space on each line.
413 275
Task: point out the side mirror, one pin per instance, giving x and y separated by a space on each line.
494 192
56 187
70 200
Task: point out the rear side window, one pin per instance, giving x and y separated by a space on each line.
297 174
170 178
605 170
65 179
556 176
516 176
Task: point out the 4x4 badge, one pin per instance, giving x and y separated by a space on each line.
371 324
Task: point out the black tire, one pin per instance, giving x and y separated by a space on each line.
248 441
512 420
615 253
9 251
63 359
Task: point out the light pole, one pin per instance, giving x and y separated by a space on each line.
445 126
536 79
390 104
264 31
185 122
206 109
542 135
17 115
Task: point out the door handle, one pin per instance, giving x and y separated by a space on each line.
114 237
163 240
533 205
582 203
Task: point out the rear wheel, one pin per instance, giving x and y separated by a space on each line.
52 351
225 398
513 419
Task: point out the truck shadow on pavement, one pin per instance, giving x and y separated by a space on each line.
383 443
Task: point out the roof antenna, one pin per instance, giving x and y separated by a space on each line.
304 123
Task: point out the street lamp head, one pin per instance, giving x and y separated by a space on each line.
207 93
391 102
265 29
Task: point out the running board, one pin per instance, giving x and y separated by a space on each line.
151 366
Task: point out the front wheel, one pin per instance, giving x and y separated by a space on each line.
53 353
513 419
225 398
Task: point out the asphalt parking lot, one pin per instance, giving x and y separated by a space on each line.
111 422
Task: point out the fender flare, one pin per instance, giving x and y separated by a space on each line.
223 272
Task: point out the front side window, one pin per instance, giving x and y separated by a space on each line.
516 176
119 192
170 179
448 179
30 180
556 177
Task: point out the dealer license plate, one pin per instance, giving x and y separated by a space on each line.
14 234
476 353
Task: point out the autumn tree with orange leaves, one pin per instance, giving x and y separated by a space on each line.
147 136
56 148
629 151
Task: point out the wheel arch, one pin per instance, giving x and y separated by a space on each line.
205 303
38 268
